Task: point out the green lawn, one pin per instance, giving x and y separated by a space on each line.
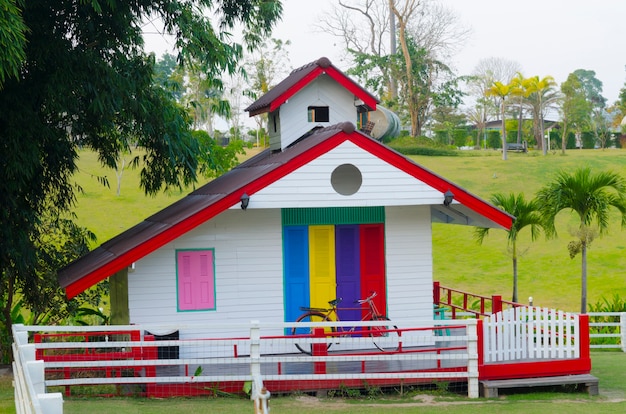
546 273
609 367
545 270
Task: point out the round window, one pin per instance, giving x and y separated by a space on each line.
346 179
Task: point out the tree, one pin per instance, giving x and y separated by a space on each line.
59 241
427 33
412 96
203 98
478 116
592 197
484 74
593 92
13 33
621 109
541 94
168 76
574 108
265 68
85 80
519 90
526 215
501 90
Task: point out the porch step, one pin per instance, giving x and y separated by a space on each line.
489 389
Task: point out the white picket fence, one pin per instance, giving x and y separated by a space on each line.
528 333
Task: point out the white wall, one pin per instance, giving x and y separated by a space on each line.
323 91
310 185
408 242
248 272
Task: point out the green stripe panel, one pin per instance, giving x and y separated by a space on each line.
333 215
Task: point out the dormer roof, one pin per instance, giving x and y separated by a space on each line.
301 77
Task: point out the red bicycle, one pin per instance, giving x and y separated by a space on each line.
370 314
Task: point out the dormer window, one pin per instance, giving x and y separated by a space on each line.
318 114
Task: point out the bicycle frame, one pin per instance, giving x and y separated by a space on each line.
326 314
371 314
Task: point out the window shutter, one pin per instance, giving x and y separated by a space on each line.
196 280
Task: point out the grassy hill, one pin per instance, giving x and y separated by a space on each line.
545 270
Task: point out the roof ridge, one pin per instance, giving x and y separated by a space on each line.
322 62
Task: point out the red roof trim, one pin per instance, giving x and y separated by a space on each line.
272 176
293 89
338 76
191 222
439 183
356 90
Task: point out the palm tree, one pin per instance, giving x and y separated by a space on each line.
540 94
526 214
501 90
591 197
520 90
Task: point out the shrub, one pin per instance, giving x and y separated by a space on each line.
616 304
426 151
493 139
589 140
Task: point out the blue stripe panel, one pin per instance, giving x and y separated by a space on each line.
348 270
296 262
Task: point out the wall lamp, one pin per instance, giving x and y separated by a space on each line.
245 200
448 196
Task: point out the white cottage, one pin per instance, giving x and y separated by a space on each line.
327 211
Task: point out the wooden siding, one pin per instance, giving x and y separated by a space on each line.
248 272
309 186
274 129
323 91
408 239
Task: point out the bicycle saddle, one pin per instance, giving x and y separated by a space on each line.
334 302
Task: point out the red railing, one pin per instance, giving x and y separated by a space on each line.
460 301
88 353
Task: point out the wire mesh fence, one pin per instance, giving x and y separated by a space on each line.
161 361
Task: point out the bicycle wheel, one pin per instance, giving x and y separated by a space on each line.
306 347
388 337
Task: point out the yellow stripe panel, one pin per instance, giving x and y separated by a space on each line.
322 275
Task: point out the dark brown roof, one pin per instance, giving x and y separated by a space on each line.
301 77
185 214
222 193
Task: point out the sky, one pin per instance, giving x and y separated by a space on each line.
546 37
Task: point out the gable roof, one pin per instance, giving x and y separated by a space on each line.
225 191
301 77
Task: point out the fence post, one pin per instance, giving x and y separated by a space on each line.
622 329
255 350
51 403
583 335
150 353
436 294
473 352
259 395
36 373
496 303
319 349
